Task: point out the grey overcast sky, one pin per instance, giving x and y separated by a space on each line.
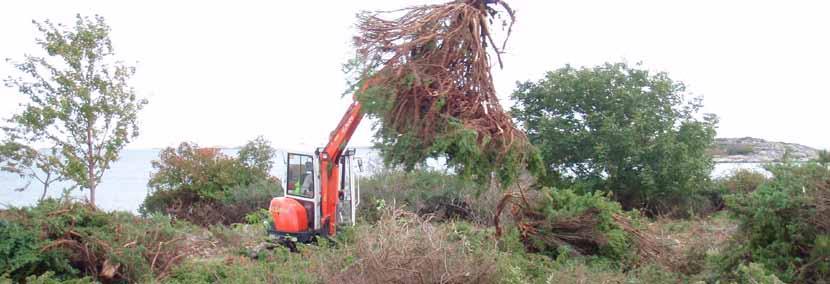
222 72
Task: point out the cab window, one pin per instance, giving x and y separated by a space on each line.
300 177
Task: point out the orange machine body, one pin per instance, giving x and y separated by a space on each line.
289 215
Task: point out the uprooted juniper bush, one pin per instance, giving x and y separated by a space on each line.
426 77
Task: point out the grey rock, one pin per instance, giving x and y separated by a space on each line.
756 150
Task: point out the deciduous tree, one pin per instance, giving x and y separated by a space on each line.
619 128
79 99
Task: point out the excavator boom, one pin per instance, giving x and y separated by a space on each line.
329 166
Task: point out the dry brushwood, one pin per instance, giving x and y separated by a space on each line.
431 67
403 247
649 248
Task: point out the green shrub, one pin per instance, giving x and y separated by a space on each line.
823 158
20 254
781 224
756 273
258 217
742 181
710 199
204 186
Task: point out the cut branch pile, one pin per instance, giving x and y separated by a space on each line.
428 80
543 230
78 240
101 252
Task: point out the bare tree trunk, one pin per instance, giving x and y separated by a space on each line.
90 166
45 185
92 196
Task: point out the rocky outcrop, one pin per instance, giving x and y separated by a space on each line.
756 150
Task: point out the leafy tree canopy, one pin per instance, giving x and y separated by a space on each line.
618 128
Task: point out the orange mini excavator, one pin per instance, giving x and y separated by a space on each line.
320 190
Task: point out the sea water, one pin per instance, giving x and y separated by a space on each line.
123 186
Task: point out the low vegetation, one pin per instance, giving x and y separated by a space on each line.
580 237
400 247
443 196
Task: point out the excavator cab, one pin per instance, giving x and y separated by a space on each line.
349 188
298 213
